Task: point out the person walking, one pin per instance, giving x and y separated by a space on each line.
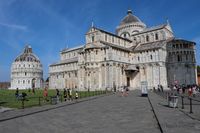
33 91
70 94
76 96
65 94
45 94
194 92
122 91
190 91
57 95
17 93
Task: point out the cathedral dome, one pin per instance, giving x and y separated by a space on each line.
129 18
27 55
130 25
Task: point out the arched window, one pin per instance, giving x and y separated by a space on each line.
156 36
151 57
105 37
179 58
92 38
147 38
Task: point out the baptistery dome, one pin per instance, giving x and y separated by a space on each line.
27 55
26 70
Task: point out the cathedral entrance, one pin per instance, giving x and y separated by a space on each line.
131 76
128 81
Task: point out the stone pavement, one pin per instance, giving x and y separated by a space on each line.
109 114
172 120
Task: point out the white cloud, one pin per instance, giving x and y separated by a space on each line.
14 26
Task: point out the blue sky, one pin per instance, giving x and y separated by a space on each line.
51 25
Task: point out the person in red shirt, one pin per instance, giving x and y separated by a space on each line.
45 94
190 91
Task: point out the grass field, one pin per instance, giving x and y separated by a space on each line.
8 99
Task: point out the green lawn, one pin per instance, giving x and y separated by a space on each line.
8 99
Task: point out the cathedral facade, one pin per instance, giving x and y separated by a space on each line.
136 54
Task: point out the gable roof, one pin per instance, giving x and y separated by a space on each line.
152 29
112 34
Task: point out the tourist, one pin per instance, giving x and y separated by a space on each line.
158 88
17 93
178 90
190 91
57 94
154 89
65 94
33 90
161 87
194 92
122 91
70 94
174 90
45 94
126 90
76 95
183 90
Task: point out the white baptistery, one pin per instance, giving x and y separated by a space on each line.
26 71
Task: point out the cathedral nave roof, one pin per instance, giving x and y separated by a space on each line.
65 61
152 29
151 45
116 46
72 49
112 34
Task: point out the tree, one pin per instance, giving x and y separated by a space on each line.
198 69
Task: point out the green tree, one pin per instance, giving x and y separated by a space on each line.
198 69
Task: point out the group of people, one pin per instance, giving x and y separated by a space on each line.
20 96
124 91
67 94
159 88
191 90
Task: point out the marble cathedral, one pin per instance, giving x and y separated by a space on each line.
135 54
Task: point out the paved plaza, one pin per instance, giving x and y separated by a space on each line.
102 114
105 114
